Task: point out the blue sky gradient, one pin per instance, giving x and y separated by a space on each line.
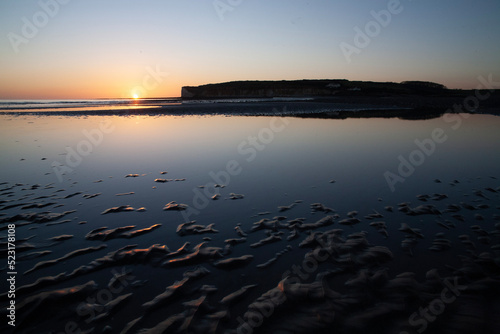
98 48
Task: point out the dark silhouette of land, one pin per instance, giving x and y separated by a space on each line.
420 97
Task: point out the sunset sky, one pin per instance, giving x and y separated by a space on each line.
76 49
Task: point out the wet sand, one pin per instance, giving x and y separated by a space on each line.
115 253
337 277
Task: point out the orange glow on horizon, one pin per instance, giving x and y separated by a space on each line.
21 84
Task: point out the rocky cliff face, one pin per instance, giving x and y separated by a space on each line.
256 89
193 92
311 88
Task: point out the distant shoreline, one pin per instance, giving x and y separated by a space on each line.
302 98
416 98
407 107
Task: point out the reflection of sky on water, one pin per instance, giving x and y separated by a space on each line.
297 165
309 152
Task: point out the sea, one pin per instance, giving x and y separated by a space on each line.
235 106
83 105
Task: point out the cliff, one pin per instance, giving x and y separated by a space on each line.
309 88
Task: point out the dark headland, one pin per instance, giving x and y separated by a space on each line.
408 98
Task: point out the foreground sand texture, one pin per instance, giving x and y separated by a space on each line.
340 280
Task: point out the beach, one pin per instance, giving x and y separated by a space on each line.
216 223
249 167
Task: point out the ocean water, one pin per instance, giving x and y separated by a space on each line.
81 106
371 169
176 106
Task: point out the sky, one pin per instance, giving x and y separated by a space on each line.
80 49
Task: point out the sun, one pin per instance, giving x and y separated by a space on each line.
135 96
